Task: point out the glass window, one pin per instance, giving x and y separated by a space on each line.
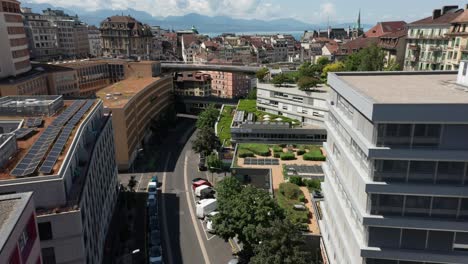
444 207
45 231
48 255
426 135
440 241
464 209
384 237
382 204
450 172
390 170
413 239
417 206
422 171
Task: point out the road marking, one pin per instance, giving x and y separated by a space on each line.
166 230
194 217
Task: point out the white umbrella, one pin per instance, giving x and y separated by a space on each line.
266 116
279 119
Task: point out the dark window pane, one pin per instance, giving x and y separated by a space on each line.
45 231
413 239
390 170
48 255
422 171
444 207
387 204
381 261
417 205
464 209
440 240
450 172
384 237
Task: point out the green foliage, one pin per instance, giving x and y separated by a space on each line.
258 149
314 154
312 184
214 163
261 74
277 154
323 61
281 243
227 189
307 70
252 95
290 190
305 83
277 149
204 142
333 67
367 59
393 66
224 124
296 180
250 106
245 153
247 106
287 156
300 152
208 117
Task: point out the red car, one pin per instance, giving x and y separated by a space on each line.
200 183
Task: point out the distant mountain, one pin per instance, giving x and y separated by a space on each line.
216 24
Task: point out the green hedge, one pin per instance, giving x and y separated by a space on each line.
311 184
277 149
258 149
296 180
290 191
315 155
288 156
301 152
244 153
277 154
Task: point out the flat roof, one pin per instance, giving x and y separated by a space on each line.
119 94
24 146
321 91
11 209
407 88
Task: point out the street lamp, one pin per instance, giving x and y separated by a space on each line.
136 251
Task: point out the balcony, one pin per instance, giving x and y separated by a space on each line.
435 48
414 47
421 36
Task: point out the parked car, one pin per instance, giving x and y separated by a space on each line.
200 183
154 222
152 188
155 255
300 207
155 238
198 179
209 224
151 200
317 194
204 207
200 189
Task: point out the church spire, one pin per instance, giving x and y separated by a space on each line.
359 20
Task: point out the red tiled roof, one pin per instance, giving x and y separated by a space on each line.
396 34
357 44
383 28
462 18
444 19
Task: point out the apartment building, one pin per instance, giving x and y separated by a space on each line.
396 171
73 173
307 107
42 36
13 41
457 48
427 41
231 85
394 47
19 239
124 36
135 103
192 84
94 38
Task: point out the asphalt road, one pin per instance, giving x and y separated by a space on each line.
184 237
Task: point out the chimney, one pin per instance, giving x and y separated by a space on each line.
446 9
436 13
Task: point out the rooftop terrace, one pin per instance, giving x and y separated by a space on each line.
11 208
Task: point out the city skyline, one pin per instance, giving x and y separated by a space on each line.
316 12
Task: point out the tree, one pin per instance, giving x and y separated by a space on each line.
305 83
205 141
323 61
252 95
208 117
132 183
282 242
393 66
227 189
261 74
367 59
333 67
280 79
307 69
214 162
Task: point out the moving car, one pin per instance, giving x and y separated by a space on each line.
152 188
151 200
200 183
155 238
204 207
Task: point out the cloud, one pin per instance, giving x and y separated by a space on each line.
327 9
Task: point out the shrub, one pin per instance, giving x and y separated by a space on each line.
259 149
314 154
288 156
301 152
290 191
277 154
312 184
302 198
282 145
244 153
277 149
296 180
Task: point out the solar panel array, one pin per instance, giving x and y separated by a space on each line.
35 154
71 116
263 162
34 122
239 116
22 132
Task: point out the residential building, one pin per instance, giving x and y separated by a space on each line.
394 46
135 104
19 237
13 41
309 107
94 38
73 175
190 46
124 36
386 27
42 36
354 46
458 41
192 84
427 42
396 170
231 85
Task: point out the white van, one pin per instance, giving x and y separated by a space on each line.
205 207
200 189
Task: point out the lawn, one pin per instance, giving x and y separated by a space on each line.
250 106
224 125
258 149
314 153
288 195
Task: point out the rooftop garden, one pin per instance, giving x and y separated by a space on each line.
224 125
250 106
289 195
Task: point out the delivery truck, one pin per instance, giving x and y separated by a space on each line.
204 207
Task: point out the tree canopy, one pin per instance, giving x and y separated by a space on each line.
305 83
252 95
367 59
205 141
214 163
208 117
333 67
261 74
281 79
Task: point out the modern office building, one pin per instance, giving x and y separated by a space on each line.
309 107
136 103
19 237
65 155
14 51
396 172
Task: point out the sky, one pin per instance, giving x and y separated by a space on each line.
311 11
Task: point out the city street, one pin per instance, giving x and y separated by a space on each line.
184 237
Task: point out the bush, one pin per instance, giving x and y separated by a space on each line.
301 152
277 149
296 180
277 154
290 191
259 149
312 184
302 198
245 153
314 154
288 156
282 145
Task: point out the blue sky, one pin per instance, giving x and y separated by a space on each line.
312 11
